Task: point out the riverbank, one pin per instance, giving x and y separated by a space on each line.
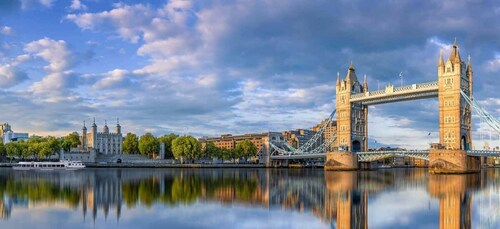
159 165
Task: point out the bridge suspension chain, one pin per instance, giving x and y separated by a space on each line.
490 119
320 149
316 136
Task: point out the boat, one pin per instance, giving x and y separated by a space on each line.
60 165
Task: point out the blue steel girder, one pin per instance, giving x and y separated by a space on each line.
379 155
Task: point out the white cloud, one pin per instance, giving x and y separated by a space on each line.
55 52
77 5
11 76
6 30
493 65
114 79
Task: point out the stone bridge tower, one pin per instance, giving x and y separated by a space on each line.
352 123
351 117
455 115
454 112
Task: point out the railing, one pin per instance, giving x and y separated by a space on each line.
379 92
403 88
427 85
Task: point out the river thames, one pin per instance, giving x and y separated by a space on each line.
248 198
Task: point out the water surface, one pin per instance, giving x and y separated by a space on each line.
247 198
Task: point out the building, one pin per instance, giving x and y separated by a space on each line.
228 141
104 142
7 135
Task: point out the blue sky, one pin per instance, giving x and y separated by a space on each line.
213 67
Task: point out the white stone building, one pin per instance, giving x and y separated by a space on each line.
103 142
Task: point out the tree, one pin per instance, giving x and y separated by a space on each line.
186 147
54 144
245 149
148 145
3 152
12 150
130 144
212 151
167 140
72 140
45 149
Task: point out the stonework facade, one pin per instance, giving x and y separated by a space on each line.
455 126
104 142
352 118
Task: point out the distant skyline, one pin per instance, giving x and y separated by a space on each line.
208 68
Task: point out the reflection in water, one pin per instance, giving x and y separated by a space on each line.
338 199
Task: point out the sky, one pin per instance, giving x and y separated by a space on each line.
207 68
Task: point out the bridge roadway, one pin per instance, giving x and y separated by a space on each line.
378 155
394 94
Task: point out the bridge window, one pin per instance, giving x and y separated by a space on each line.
448 69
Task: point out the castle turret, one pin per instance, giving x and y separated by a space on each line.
470 73
365 84
440 63
118 127
84 136
93 141
105 129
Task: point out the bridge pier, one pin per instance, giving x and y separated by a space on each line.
341 160
452 161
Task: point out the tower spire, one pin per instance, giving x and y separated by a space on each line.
455 55
441 62
365 84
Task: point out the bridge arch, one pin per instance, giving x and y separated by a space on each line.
463 143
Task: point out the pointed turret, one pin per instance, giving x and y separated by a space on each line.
338 78
469 66
455 54
84 127
365 84
469 73
351 74
441 62
118 127
105 129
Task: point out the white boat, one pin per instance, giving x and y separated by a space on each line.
60 165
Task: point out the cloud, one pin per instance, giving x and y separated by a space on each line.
6 30
114 79
493 65
77 5
11 76
56 53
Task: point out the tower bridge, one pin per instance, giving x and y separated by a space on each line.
349 145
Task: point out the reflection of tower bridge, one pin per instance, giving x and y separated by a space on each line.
349 145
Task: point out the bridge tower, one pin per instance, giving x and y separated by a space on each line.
351 123
455 126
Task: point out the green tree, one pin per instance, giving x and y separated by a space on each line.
55 144
45 149
148 145
212 151
12 149
245 149
72 140
130 144
23 148
186 147
3 151
167 140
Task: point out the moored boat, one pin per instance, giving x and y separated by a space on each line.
60 165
